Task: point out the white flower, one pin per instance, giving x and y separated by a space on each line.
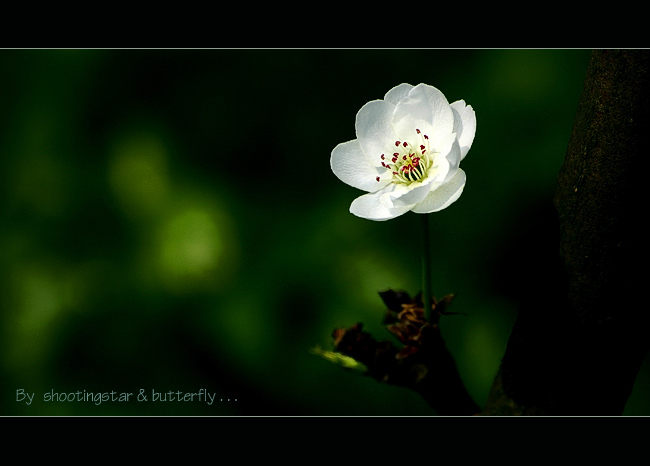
407 153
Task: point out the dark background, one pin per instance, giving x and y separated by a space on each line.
169 221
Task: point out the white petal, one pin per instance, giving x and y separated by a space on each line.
465 118
369 206
349 164
398 93
443 196
424 104
440 171
454 158
410 195
374 130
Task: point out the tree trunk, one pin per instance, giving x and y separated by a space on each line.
577 351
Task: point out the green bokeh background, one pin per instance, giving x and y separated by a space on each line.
169 221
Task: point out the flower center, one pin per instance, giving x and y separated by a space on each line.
409 162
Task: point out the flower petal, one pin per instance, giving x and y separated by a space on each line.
424 104
410 195
454 158
440 171
350 165
443 196
373 128
398 93
465 125
369 206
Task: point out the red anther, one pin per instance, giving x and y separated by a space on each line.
396 154
426 137
394 173
405 143
421 147
397 143
423 152
404 158
418 131
382 155
377 178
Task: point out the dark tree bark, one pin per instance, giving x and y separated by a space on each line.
577 350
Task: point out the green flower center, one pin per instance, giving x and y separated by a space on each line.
409 162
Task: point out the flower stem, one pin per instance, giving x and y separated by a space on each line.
426 269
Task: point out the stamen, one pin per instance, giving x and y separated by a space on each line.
409 164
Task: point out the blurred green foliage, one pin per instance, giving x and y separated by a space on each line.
169 221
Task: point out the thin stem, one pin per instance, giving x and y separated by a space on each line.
426 268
